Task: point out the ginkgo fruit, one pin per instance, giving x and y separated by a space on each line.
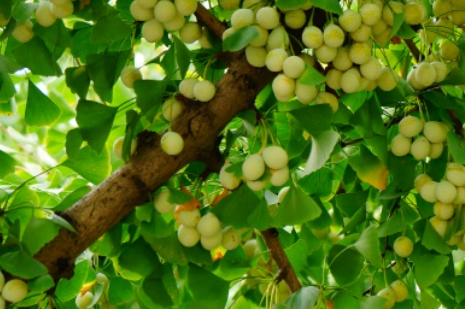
188 236
44 15
439 225
63 10
279 177
421 148
293 67
333 36
227 179
324 97
410 126
257 185
253 167
118 146
278 38
387 81
388 293
204 90
455 173
2 280
232 238
283 87
152 30
435 131
403 246
425 74
350 20
295 19
401 145
325 53
190 32
186 7
441 71
186 87
242 18
449 50
211 242
360 53
229 4
460 198
400 290
171 109
370 13
379 28
23 32
162 203
312 37
444 211
436 150
371 69
342 61
83 300
275 157
305 93
415 12
165 11
333 79
256 56
189 218
362 34
275 59
442 7
446 191
209 225
350 80
101 278
261 39
389 11
175 24
268 17
14 290
250 248
172 143
428 191
129 75
147 4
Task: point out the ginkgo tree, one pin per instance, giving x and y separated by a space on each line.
232 154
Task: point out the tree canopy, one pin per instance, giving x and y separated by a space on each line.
232 154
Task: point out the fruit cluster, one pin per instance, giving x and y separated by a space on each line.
397 292
12 291
86 297
429 144
254 170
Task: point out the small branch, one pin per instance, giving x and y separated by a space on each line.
285 270
458 127
211 22
413 50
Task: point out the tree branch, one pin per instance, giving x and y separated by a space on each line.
458 127
211 22
413 50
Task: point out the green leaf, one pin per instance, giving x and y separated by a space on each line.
372 302
328 5
457 147
306 297
370 169
41 284
93 167
155 290
296 208
150 96
345 300
73 143
323 144
40 110
311 77
260 217
394 224
183 56
67 289
402 170
119 291
455 77
297 254
78 81
290 4
39 232
72 198
95 121
459 288
7 88
7 164
433 241
428 268
208 290
314 118
22 265
345 264
368 246
108 29
168 248
139 258
398 21
239 39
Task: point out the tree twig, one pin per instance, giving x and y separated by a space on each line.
413 50
211 22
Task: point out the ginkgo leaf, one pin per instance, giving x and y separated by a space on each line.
322 146
370 170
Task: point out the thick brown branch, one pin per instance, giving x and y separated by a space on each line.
458 127
413 50
211 22
285 270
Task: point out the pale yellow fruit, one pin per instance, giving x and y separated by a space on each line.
171 109
454 240
428 191
388 294
421 148
118 147
152 31
307 6
295 19
305 93
436 150
326 54
188 236
189 218
362 34
383 38
391 8
446 191
256 56
403 246
14 291
231 238
420 180
228 180
253 167
209 225
268 17
59 2
427 37
279 177
262 38
460 198
364 83
342 61
161 203
415 12
186 87
83 300
411 126
190 32
44 16
186 7
278 38
435 131
23 32
204 90
371 69
129 75
412 80
444 211
439 225
283 87
165 11
370 13
449 50
456 174
441 8
175 24
425 74
387 81
293 67
257 185
333 79
227 33
229 4
379 28
400 290
333 36
458 4
400 145
172 143
312 37
360 53
443 28
147 4
350 80
250 247
441 71
62 11
350 20
211 242
457 18
328 98
242 18
275 59
372 85
275 157
2 281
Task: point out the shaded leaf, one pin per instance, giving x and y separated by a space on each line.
40 110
